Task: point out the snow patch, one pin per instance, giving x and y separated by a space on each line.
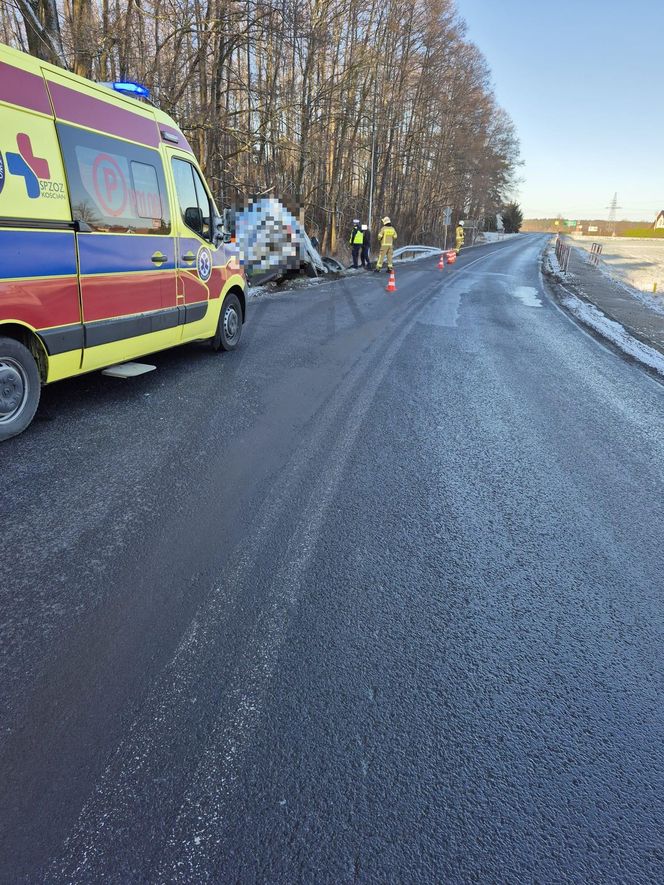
527 295
554 264
496 236
614 332
257 291
274 288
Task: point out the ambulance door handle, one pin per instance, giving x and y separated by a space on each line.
158 258
189 257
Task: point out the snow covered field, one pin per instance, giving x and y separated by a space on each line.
639 263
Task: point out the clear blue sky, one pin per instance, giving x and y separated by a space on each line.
583 81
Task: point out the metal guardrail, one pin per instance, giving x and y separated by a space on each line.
595 253
563 252
420 251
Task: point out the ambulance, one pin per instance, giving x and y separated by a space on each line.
111 245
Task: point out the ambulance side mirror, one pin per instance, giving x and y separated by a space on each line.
221 235
193 218
222 227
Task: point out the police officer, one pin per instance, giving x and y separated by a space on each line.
356 240
386 237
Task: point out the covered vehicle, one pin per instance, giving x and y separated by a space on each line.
271 238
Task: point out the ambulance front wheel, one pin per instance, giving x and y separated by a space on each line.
20 387
230 324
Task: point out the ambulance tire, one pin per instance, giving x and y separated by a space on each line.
229 329
20 388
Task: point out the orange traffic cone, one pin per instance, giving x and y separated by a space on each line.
391 283
441 262
451 257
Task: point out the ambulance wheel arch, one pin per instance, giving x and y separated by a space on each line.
20 382
236 284
231 319
30 339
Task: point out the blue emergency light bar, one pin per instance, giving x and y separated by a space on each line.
131 88
128 87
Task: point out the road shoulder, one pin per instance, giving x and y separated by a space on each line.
607 310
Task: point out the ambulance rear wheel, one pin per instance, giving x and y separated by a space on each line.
20 387
229 329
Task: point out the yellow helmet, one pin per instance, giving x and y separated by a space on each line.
386 220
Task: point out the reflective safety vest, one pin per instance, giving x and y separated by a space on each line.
357 238
387 235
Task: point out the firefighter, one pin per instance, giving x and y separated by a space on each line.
356 241
366 245
459 236
386 237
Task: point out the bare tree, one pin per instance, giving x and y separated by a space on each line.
299 97
42 30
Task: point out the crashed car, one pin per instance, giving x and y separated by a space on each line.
273 241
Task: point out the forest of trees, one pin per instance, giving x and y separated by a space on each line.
298 98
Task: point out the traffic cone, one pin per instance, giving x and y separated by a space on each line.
451 257
441 262
391 283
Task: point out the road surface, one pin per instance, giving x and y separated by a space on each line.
376 598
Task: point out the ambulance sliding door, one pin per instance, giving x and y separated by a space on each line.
38 279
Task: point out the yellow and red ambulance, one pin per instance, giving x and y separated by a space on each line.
110 241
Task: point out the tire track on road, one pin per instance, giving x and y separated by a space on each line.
154 744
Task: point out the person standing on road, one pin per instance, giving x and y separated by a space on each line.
386 237
356 241
460 236
366 245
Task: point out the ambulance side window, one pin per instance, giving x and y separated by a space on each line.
203 202
192 198
114 186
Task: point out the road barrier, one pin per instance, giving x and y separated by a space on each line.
405 253
595 253
563 252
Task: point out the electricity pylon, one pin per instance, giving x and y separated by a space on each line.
613 208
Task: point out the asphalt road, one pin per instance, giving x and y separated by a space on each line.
376 598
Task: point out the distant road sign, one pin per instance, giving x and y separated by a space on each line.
447 217
570 223
592 229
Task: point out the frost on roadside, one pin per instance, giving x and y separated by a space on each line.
593 317
614 332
